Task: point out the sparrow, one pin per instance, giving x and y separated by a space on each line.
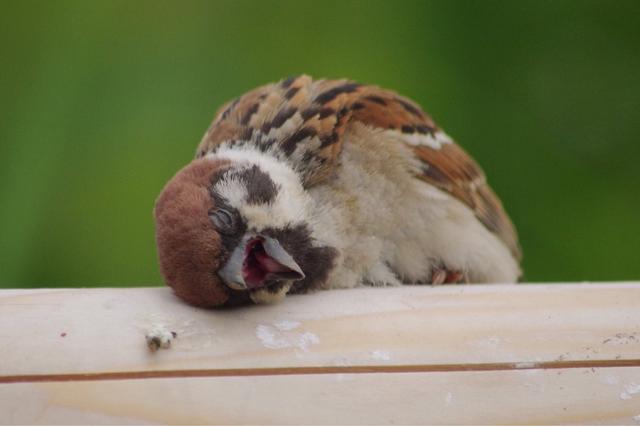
309 184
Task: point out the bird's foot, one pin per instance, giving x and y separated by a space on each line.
442 275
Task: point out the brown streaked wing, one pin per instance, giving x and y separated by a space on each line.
325 108
232 119
321 105
449 168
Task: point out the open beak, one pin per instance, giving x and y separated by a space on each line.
258 261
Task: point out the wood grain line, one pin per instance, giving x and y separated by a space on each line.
288 371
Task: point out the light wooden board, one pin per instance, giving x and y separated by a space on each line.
573 396
450 354
400 326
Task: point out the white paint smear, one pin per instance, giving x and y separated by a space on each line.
630 390
449 398
381 355
636 418
280 335
285 325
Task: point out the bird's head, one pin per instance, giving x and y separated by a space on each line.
229 230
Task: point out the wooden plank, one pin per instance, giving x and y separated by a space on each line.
450 355
61 332
571 396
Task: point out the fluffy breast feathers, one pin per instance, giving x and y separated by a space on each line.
304 122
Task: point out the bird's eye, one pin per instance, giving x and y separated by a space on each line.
223 220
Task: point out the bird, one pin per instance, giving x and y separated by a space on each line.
314 184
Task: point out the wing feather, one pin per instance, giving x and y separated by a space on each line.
305 120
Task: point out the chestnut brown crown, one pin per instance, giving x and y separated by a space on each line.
189 248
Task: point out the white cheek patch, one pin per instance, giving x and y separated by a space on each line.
291 204
280 173
232 190
260 216
434 141
284 210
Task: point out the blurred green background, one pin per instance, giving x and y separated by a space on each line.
103 101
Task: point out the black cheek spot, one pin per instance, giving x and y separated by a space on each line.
260 188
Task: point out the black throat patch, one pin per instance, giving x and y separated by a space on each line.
315 262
